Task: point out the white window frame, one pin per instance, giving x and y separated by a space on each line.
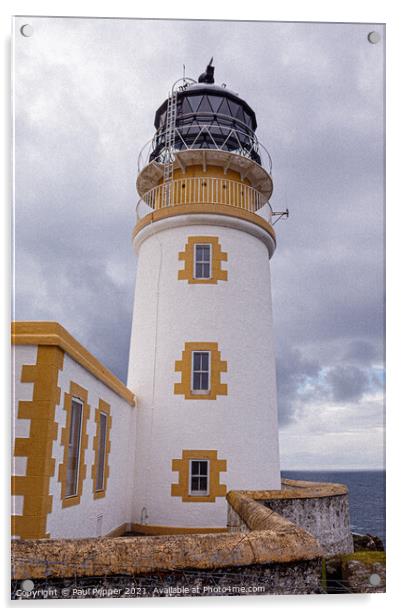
200 391
195 261
99 451
77 468
190 475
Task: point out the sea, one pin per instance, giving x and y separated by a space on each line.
366 496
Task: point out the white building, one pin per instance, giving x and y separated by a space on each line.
201 359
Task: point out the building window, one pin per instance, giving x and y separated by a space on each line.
100 471
74 446
74 439
201 372
199 477
102 446
202 261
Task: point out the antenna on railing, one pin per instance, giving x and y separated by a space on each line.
283 214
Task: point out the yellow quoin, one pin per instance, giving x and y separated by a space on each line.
217 367
218 256
182 467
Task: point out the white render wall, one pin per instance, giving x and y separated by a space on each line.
237 314
115 508
81 520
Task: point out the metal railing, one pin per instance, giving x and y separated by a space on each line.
203 190
230 140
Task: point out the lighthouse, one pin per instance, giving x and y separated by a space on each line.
202 351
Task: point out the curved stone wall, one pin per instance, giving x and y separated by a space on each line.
321 509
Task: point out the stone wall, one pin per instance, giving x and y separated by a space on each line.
320 509
275 543
302 577
327 519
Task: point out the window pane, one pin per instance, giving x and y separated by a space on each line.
197 361
205 270
199 252
194 101
234 107
100 471
194 484
215 102
205 106
73 448
203 467
185 107
204 361
199 270
196 380
203 484
204 381
195 467
205 254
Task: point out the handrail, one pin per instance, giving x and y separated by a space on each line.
204 190
254 145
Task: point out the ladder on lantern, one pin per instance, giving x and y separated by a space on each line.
169 147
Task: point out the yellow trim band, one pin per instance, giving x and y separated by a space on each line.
51 333
227 210
173 530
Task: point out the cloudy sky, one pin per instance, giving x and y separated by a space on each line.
85 93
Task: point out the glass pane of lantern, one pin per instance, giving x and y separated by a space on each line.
215 101
194 102
224 108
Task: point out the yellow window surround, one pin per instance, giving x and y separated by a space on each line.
217 366
217 256
182 466
76 391
104 408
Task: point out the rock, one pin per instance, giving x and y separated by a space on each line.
364 572
359 572
367 542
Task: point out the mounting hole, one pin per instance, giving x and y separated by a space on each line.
375 579
27 585
26 30
374 37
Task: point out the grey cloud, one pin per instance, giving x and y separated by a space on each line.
293 372
347 383
86 93
361 351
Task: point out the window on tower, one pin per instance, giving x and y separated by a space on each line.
202 261
203 258
199 478
201 367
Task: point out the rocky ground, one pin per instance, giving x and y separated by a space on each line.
363 571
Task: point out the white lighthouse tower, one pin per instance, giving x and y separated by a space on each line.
201 356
